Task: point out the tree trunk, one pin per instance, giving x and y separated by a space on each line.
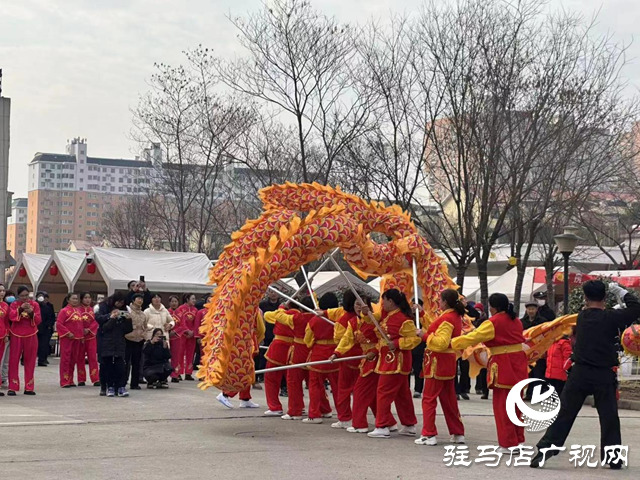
461 270
517 292
482 276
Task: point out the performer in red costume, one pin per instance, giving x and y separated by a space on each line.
439 371
394 364
4 323
319 337
297 321
245 395
187 314
24 318
349 370
90 349
70 328
279 353
502 334
363 336
176 340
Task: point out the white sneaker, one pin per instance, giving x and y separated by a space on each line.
273 413
357 430
457 439
312 420
346 424
393 428
408 431
286 416
327 415
379 433
431 441
504 450
224 400
248 404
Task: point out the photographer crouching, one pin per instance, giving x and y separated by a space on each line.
157 356
115 323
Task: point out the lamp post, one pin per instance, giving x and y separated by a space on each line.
566 243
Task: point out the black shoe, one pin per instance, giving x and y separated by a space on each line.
188 377
142 382
137 387
464 396
81 384
485 396
11 393
96 384
1 394
47 362
41 364
29 392
73 385
538 458
175 380
151 385
284 393
478 392
103 393
195 367
67 386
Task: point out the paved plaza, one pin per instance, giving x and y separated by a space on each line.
185 433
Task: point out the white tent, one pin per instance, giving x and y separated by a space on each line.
506 284
34 265
175 272
339 283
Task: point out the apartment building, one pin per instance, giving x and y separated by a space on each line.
70 193
17 228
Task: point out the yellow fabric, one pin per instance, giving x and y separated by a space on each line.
325 342
298 340
408 339
347 341
483 333
309 337
439 341
260 328
279 316
283 338
516 347
334 314
338 332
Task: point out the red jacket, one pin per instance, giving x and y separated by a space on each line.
401 330
198 322
89 321
21 323
440 363
281 347
4 320
319 338
70 322
506 369
185 316
557 357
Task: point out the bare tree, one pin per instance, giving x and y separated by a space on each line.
126 225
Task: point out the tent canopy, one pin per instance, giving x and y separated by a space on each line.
506 284
176 272
35 264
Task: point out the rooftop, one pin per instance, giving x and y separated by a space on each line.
20 203
111 162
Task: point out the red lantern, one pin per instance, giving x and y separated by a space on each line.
22 272
91 268
53 270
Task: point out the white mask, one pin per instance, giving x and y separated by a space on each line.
40 299
540 301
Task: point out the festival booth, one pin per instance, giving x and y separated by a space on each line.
29 271
164 272
506 284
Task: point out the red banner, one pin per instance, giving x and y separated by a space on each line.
577 279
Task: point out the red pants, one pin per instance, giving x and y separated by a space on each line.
189 355
364 397
272 382
244 394
508 434
2 340
394 388
70 354
90 351
295 378
318 400
176 345
347 378
445 390
27 347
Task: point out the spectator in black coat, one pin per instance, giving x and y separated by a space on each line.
157 366
114 323
45 329
543 309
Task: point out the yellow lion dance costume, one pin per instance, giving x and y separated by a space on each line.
300 224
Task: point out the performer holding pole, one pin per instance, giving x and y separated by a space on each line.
415 291
302 305
439 370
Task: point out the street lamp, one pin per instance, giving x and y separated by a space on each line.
566 245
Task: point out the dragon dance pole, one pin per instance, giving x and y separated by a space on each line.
355 292
322 265
415 291
309 364
300 305
306 279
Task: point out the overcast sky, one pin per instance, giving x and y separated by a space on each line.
74 67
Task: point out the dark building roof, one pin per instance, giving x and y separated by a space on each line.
107 162
20 203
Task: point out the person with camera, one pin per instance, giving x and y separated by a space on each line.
24 318
157 356
114 323
135 340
